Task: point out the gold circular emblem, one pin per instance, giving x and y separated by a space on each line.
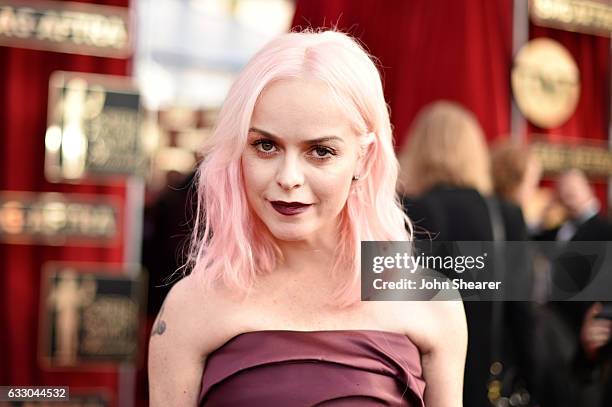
545 82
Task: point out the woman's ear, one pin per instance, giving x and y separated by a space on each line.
366 144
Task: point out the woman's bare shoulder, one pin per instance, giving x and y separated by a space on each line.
447 319
188 327
427 323
200 315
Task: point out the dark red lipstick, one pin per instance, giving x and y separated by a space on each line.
289 208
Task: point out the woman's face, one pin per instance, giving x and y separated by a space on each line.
299 161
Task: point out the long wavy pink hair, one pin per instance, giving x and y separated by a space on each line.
229 242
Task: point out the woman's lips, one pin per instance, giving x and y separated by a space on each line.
289 208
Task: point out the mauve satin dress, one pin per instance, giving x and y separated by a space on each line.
314 368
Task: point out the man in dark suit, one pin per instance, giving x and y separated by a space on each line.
583 224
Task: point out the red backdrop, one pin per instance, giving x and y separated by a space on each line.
431 49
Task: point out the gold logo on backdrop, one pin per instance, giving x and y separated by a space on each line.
593 160
94 128
67 298
65 26
545 82
587 16
78 104
56 219
90 315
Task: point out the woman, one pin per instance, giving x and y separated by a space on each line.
298 171
446 175
445 179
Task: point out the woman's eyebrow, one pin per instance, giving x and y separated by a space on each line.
309 142
324 139
264 133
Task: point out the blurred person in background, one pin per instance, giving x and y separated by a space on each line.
583 221
516 172
594 359
298 171
589 334
564 336
445 177
446 184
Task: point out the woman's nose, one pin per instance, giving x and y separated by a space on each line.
289 175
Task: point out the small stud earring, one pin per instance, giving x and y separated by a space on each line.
355 177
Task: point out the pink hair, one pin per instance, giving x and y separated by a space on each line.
229 242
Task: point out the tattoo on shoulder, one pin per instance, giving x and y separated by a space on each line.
159 327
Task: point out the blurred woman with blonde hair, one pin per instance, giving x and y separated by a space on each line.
445 181
445 177
445 146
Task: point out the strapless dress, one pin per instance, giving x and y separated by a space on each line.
314 368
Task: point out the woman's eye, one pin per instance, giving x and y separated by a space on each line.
266 146
322 152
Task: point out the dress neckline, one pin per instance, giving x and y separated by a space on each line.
317 332
321 331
